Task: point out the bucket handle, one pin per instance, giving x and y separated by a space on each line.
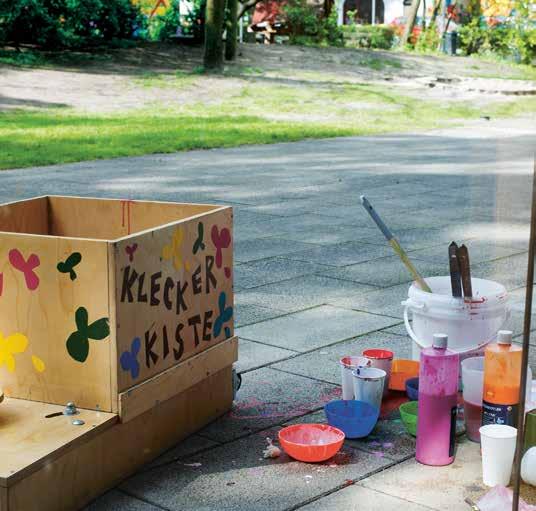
422 306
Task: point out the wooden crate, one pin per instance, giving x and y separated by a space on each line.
100 296
49 464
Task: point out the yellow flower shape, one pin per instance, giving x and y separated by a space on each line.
173 250
15 343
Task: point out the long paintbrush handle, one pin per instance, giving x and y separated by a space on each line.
409 265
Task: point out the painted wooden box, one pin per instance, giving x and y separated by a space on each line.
99 296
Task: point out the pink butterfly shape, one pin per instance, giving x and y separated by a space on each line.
130 249
27 267
221 240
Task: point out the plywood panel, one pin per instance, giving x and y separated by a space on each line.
38 305
110 219
29 437
174 295
82 473
29 216
177 379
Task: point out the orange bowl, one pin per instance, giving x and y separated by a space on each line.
311 442
402 370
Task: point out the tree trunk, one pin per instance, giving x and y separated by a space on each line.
232 29
213 58
410 22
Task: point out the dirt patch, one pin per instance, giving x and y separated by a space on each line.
167 76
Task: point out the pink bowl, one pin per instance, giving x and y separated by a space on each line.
311 442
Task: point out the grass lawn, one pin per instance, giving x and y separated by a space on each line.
241 107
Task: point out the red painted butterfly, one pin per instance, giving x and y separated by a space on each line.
26 267
130 249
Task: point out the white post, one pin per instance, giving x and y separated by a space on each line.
340 12
241 29
373 12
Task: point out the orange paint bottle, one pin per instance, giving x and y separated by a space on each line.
502 371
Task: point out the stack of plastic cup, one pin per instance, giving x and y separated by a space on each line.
381 359
368 385
348 365
473 386
498 449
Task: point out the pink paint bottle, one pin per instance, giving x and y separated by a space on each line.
438 400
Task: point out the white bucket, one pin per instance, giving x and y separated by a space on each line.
469 323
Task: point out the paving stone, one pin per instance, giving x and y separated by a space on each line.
384 272
286 208
414 239
268 397
438 217
511 271
422 484
251 250
313 328
252 355
246 314
381 301
329 234
341 254
116 500
323 363
301 292
187 447
359 498
273 269
479 252
388 439
399 329
236 477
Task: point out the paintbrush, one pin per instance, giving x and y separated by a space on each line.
465 270
455 277
395 244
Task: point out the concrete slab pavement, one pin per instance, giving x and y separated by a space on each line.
315 277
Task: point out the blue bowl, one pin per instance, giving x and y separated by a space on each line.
355 418
412 389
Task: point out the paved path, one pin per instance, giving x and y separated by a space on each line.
314 280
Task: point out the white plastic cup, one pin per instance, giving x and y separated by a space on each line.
498 448
348 364
473 390
368 385
473 379
381 359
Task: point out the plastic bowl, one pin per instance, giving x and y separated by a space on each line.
412 388
356 419
402 370
408 414
311 442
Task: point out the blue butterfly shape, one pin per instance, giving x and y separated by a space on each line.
129 359
226 313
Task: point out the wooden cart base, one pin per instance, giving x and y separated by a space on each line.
49 464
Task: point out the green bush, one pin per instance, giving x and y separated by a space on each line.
167 26
503 40
307 26
428 40
55 24
369 36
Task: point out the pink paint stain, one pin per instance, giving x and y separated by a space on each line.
221 240
130 249
1 283
227 272
26 267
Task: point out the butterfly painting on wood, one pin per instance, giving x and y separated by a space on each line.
78 342
69 264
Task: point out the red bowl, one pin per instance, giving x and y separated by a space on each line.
311 442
